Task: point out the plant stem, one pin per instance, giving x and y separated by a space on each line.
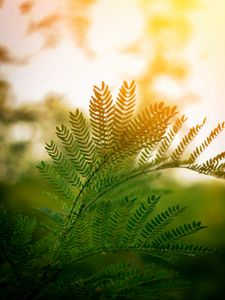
132 175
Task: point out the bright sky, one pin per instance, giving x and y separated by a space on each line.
206 54
66 69
207 50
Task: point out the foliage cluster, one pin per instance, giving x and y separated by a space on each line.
102 172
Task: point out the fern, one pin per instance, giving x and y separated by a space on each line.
72 148
58 181
82 135
138 218
123 110
100 225
198 150
63 165
101 112
157 224
176 233
186 140
103 171
165 143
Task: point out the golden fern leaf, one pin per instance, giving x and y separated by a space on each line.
199 150
164 145
186 140
214 166
148 127
123 110
146 154
101 114
219 157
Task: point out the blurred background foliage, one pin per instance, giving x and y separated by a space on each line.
24 128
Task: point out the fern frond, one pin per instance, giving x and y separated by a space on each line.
82 135
143 133
146 154
63 165
148 127
101 114
123 110
186 140
214 166
136 221
159 155
155 226
100 224
200 149
73 150
118 219
60 184
219 157
79 238
176 233
182 248
104 179
162 148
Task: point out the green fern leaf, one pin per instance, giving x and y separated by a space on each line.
64 166
155 226
100 224
118 219
73 150
138 219
54 178
182 248
82 135
176 233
